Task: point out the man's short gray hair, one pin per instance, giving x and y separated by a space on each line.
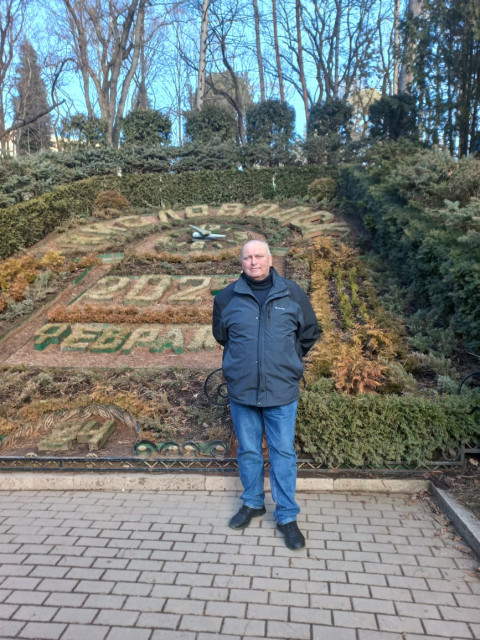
260 241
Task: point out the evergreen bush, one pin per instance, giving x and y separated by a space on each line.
431 244
81 130
146 127
333 116
211 121
322 189
26 223
373 430
109 202
393 117
269 131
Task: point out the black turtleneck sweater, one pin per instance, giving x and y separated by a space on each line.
260 288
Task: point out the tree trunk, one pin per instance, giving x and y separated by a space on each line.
136 46
277 51
107 38
202 64
238 101
259 50
336 39
410 46
301 70
12 18
396 45
141 97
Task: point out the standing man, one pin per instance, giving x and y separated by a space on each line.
266 325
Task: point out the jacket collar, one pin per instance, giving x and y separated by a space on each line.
278 285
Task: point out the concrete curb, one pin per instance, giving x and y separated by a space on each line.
467 525
191 482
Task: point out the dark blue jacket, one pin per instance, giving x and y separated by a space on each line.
264 347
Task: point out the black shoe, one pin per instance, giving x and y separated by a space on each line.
293 536
242 519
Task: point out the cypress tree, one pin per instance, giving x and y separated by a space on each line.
31 104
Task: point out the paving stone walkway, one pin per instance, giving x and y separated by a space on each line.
165 566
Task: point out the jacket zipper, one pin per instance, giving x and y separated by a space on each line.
279 294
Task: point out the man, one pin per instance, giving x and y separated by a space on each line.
266 325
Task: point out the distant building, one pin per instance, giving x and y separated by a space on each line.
9 144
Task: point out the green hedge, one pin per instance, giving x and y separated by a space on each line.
216 187
31 176
372 430
23 224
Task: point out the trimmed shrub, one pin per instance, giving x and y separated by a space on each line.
269 133
393 117
330 117
107 202
26 223
146 127
81 129
211 121
23 224
373 430
322 189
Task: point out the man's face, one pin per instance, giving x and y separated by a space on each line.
256 262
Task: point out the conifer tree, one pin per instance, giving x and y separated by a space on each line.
31 105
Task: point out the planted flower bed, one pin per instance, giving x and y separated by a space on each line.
122 338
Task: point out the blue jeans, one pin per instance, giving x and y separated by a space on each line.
250 422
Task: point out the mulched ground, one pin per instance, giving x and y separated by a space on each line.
168 404
463 483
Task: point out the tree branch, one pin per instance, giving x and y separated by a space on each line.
24 123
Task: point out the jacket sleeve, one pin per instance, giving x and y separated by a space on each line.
218 329
309 332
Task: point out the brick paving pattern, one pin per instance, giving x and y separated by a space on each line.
165 566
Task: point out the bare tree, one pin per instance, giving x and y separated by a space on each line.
331 48
140 99
106 37
277 51
152 80
202 65
387 47
301 68
230 56
178 72
288 51
258 44
12 18
342 44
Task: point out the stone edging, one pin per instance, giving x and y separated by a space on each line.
466 524
28 481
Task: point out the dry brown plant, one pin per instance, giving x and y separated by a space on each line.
87 313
